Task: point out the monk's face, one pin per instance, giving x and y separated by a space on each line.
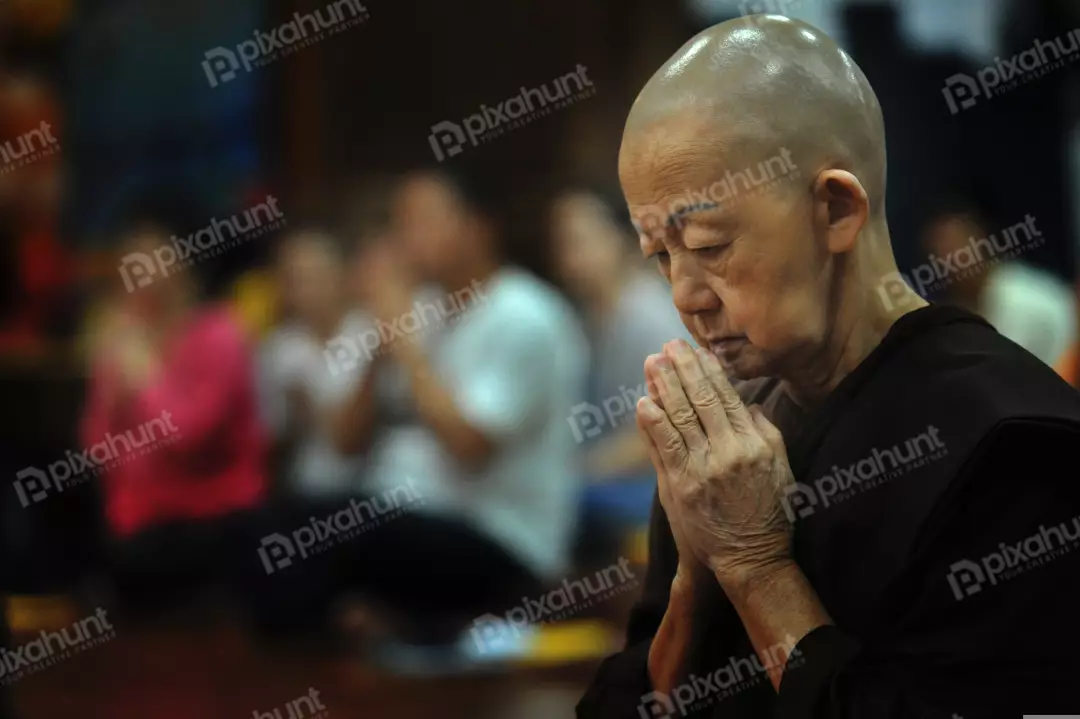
736 240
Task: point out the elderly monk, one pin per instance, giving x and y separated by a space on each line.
858 513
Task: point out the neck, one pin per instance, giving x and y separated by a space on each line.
471 274
867 301
326 328
165 322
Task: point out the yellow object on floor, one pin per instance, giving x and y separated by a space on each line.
571 641
34 614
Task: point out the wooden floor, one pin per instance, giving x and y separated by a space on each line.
217 673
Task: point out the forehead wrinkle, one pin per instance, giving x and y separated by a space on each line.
672 160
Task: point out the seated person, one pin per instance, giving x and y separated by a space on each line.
1031 307
303 383
172 398
300 382
849 520
488 451
629 315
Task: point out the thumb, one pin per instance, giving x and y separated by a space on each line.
654 456
768 432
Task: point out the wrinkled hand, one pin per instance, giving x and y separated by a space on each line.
722 468
690 571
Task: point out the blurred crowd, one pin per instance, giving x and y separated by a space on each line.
475 422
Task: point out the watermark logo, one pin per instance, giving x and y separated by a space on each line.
729 189
979 255
962 91
588 421
139 269
28 148
967 577
222 65
558 604
738 675
315 709
278 551
802 500
52 647
34 485
344 353
448 139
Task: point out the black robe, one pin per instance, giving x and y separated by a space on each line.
938 519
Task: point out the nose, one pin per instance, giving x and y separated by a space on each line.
690 288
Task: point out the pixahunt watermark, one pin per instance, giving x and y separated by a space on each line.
738 675
978 256
278 551
967 577
222 64
28 148
140 269
295 709
883 465
344 353
53 647
35 485
570 598
588 421
448 139
724 192
962 91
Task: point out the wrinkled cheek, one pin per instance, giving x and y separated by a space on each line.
759 309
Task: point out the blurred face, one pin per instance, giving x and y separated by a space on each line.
948 235
430 225
747 262
164 293
588 249
311 281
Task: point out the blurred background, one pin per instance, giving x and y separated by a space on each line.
322 325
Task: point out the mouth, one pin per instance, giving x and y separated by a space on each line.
721 346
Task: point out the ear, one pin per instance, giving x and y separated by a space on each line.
841 209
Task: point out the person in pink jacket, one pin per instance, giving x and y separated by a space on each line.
172 398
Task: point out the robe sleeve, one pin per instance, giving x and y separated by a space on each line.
985 613
623 679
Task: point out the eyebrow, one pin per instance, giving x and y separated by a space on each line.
689 210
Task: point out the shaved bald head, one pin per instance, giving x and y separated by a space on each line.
764 82
753 164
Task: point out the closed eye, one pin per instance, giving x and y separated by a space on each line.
710 252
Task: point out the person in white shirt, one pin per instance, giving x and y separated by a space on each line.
628 312
1030 306
485 442
300 387
303 384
